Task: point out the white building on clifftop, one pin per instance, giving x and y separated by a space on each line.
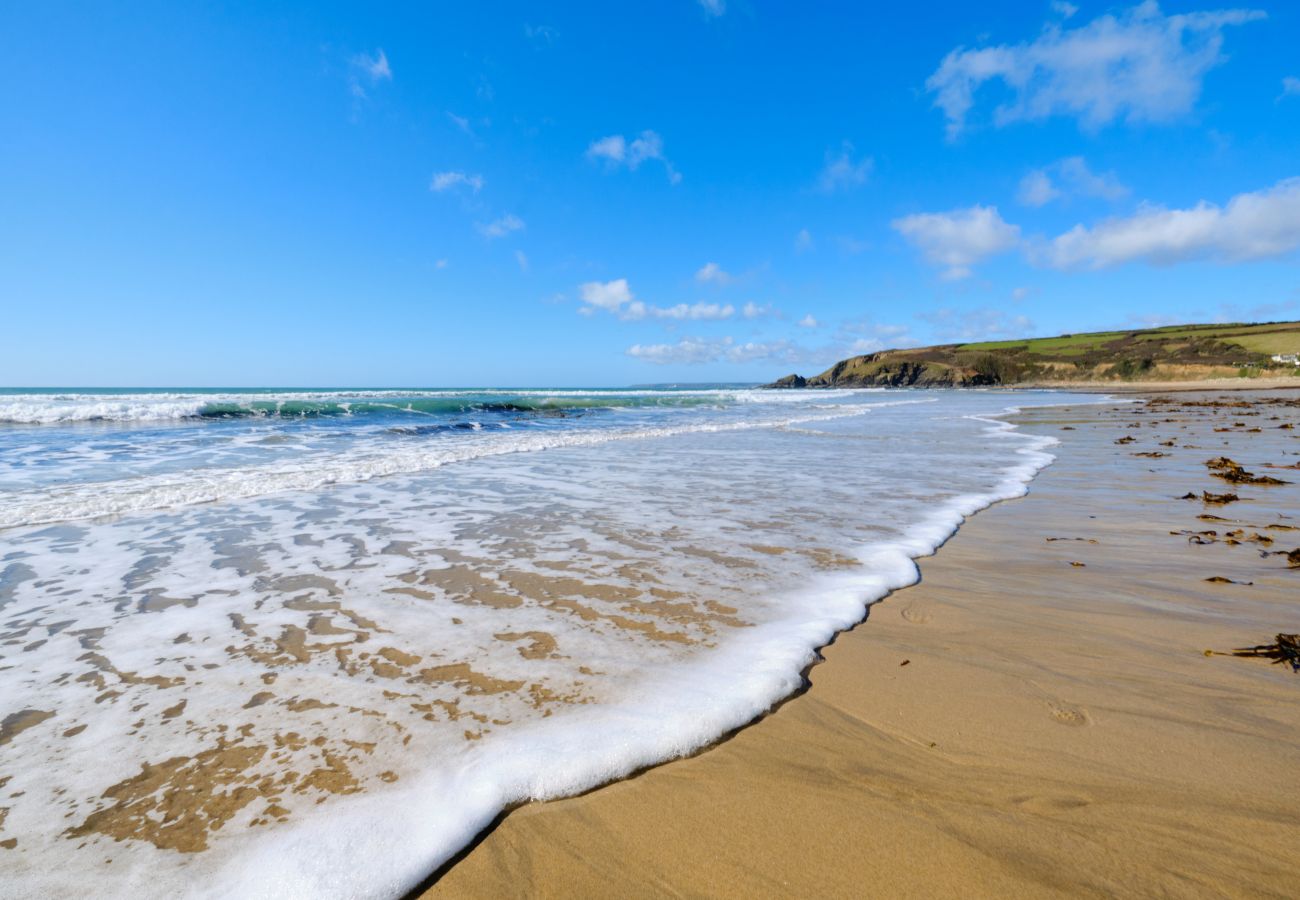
1289 359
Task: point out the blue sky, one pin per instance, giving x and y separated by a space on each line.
466 194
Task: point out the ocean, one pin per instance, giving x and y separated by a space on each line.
308 643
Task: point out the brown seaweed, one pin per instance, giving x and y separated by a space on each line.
1219 499
1231 471
1286 649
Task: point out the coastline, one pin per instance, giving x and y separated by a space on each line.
1166 387
1014 722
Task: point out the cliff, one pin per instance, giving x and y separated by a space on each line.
1169 354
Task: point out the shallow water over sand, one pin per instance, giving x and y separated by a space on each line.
294 655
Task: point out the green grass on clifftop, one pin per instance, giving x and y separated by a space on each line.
1170 353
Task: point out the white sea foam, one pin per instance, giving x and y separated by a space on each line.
691 708
70 502
795 523
66 408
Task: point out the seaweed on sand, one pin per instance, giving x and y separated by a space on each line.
1207 497
1231 471
1286 649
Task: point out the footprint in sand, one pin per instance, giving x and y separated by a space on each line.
914 615
1068 715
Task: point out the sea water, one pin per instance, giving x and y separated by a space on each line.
309 643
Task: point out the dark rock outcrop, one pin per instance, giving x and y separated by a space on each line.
789 381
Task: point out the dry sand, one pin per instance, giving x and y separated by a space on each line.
1016 724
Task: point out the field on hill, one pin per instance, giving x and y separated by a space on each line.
1171 353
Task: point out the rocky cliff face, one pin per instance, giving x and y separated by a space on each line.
888 369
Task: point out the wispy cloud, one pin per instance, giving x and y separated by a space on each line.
976 324
808 321
617 151
712 273
462 124
713 8
803 241
368 69
522 260
714 312
375 67
541 34
851 338
960 238
499 228
1069 177
842 172
696 350
753 310
1290 87
857 336
445 181
1256 225
1140 66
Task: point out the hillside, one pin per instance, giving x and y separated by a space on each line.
1171 354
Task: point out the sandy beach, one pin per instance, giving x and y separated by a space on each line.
1037 717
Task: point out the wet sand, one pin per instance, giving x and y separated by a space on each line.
1272 383
1037 717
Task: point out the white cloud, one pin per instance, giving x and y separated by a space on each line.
1254 225
712 273
462 123
542 34
754 311
851 245
445 181
1064 9
501 227
374 67
687 350
522 260
694 350
1139 66
1290 87
1036 189
607 295
617 151
854 337
892 331
1074 178
976 324
368 69
808 321
616 297
960 238
440 264
803 241
842 172
1020 293
695 311
714 7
